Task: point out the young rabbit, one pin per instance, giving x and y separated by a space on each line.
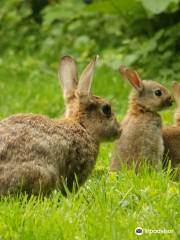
171 134
141 137
38 154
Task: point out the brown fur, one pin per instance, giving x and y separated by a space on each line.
141 137
38 154
171 134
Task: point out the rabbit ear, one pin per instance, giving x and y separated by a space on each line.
68 76
85 81
133 77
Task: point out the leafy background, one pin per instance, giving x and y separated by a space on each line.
142 33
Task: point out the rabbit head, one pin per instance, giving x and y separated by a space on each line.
92 112
147 93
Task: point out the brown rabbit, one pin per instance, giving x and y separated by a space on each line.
171 134
141 137
38 154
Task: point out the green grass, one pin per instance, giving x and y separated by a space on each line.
109 206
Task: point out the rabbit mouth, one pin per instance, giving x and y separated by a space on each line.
115 134
168 103
112 135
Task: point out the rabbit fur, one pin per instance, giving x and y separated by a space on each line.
39 154
141 137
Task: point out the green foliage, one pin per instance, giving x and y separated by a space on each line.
113 7
149 46
156 7
141 33
152 7
16 27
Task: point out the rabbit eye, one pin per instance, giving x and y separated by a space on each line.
158 93
106 109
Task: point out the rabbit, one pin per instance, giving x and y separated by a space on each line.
171 134
39 154
141 137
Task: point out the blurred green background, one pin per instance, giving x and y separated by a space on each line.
144 34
